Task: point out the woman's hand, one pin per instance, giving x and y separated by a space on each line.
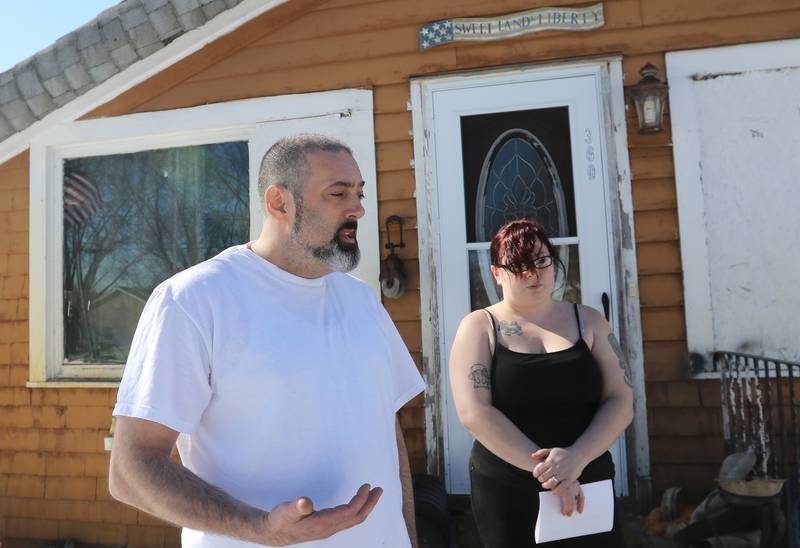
571 496
558 465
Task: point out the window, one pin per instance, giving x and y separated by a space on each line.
120 204
132 221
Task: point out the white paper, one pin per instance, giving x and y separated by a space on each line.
597 516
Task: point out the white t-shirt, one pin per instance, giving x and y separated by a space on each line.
281 387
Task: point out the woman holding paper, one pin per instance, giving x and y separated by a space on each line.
543 387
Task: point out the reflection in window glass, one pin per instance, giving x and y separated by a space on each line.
568 284
132 221
482 288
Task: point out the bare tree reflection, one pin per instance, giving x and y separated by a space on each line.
162 212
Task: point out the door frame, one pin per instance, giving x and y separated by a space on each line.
608 73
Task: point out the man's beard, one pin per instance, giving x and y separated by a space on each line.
341 256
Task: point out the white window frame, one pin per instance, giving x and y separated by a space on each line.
682 68
246 120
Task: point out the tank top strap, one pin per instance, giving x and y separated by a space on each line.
579 320
494 332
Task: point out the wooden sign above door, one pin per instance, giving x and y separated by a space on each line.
510 25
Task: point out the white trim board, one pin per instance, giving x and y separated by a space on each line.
623 243
185 45
182 123
683 68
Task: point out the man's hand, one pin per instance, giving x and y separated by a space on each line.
143 475
296 521
557 465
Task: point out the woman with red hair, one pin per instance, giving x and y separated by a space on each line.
542 386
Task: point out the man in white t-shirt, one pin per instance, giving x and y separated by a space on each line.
279 378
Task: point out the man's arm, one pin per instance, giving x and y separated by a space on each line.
405 481
143 475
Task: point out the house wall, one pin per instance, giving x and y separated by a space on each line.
53 482
53 466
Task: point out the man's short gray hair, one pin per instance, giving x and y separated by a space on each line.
285 163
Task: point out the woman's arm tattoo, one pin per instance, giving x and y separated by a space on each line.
479 376
623 363
509 328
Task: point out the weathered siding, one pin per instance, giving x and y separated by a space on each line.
684 419
53 482
53 468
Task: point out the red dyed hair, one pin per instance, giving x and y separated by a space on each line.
518 243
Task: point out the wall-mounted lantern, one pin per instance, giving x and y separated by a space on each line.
649 97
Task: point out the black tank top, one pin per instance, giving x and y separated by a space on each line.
551 397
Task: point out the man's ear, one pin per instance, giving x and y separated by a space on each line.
276 202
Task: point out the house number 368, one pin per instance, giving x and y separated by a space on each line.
591 171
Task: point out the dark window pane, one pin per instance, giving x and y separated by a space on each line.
518 165
133 220
568 282
482 288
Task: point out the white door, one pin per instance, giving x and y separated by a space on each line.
354 127
510 146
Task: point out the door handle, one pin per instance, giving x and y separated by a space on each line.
606 305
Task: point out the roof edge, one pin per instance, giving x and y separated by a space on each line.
182 47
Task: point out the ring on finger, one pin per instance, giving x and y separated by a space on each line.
554 478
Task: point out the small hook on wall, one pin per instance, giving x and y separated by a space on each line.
393 273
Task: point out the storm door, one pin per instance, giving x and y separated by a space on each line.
504 148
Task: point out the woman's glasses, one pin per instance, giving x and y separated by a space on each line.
540 263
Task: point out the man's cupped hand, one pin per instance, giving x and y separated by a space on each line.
296 521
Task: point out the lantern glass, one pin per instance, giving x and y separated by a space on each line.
650 109
649 96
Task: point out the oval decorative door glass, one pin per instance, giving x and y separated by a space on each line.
518 180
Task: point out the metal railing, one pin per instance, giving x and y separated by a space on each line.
759 410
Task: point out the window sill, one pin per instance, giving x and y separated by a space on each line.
705 376
72 384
